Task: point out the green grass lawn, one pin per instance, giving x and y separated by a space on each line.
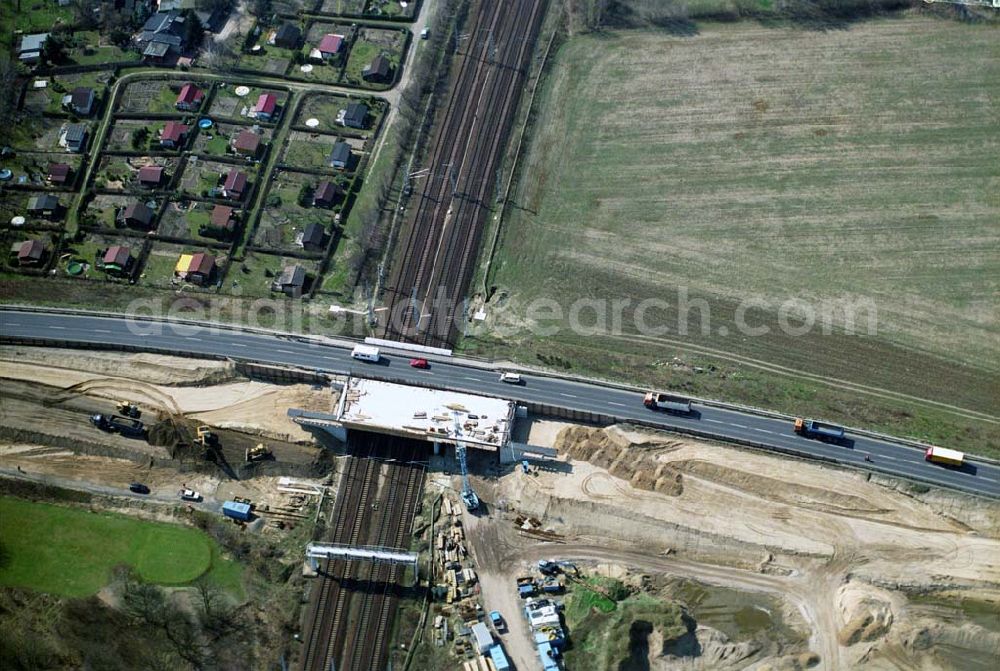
35 15
254 275
71 552
752 163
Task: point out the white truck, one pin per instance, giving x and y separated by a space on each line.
366 353
669 402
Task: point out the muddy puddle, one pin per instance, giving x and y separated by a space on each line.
739 615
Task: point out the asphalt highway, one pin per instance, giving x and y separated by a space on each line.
886 456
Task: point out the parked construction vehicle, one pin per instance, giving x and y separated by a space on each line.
669 402
129 409
258 453
551 567
810 428
205 437
125 426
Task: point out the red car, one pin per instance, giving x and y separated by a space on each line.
419 363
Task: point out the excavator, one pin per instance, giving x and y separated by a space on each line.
128 409
258 453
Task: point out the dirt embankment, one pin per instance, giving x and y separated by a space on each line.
64 367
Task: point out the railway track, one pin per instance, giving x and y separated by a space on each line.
441 238
347 625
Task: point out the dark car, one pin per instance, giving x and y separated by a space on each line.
138 488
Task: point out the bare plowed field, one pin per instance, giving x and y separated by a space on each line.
776 170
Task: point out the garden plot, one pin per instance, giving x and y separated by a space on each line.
187 219
257 272
49 98
33 167
15 204
369 44
162 260
289 211
80 259
120 173
201 177
217 141
349 7
312 151
151 96
88 47
103 210
8 262
137 135
326 109
391 8
38 15
292 7
42 134
234 101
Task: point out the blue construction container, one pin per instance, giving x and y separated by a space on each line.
548 657
499 658
238 511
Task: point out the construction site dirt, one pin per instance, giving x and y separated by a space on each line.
48 405
867 573
848 570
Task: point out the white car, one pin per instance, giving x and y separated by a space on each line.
190 495
511 378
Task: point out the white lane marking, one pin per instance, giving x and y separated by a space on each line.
237 344
715 421
12 324
620 405
987 479
194 339
738 425
886 456
568 395
474 379
101 331
762 430
60 328
284 351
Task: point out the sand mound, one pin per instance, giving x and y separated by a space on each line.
703 648
612 451
865 611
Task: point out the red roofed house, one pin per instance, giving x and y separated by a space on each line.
150 175
247 143
222 222
195 268
173 134
235 185
190 98
58 173
266 106
117 260
330 46
29 252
